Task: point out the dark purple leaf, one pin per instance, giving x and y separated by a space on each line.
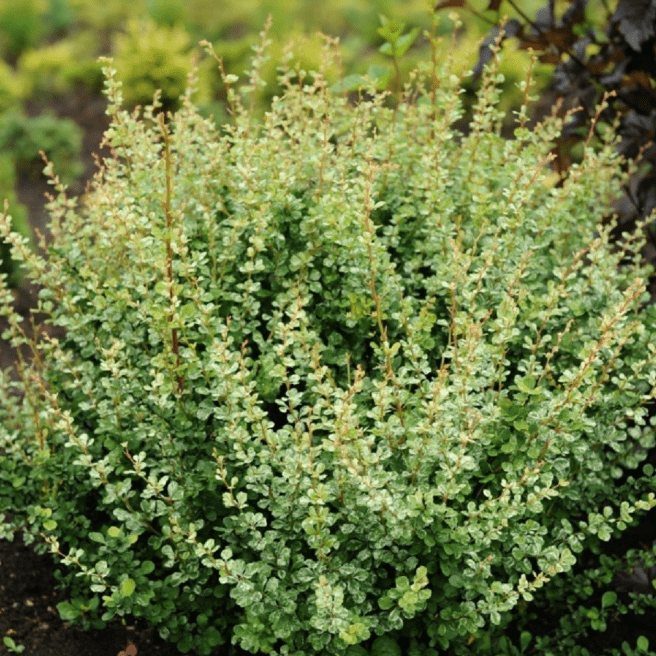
638 581
512 28
636 21
615 76
575 12
544 19
636 124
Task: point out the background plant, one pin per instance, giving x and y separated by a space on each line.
595 49
12 646
59 68
20 26
151 58
333 379
25 136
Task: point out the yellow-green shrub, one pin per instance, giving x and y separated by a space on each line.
12 88
58 68
24 136
21 25
150 57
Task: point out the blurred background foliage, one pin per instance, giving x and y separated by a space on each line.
49 53
51 46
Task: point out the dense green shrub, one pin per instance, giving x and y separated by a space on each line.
25 136
342 377
21 25
59 17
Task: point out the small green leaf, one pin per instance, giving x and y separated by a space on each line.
356 650
50 525
187 310
67 611
354 634
643 644
526 384
404 42
212 636
113 531
385 646
605 533
608 599
127 587
390 30
509 409
147 567
379 75
524 640
385 603
402 583
185 644
12 646
510 445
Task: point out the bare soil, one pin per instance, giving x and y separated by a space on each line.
28 613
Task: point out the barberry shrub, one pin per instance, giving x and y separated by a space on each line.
596 49
336 380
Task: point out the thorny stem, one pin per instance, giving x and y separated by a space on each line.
372 261
166 205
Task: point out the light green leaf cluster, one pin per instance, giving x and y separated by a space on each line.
338 374
56 67
151 57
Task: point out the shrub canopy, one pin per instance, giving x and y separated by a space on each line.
339 374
